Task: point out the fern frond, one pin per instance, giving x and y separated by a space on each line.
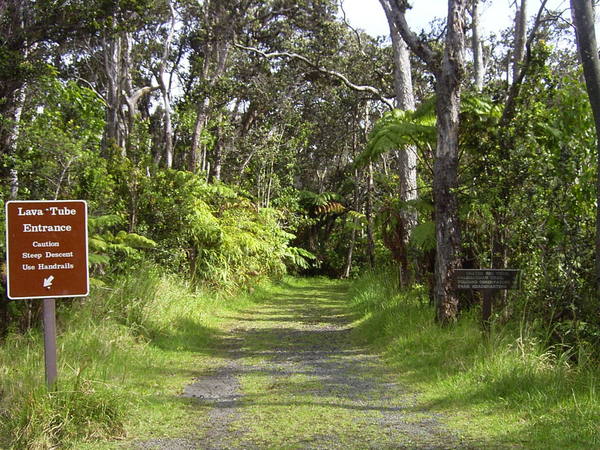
398 129
423 236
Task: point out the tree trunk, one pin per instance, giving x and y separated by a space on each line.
215 174
12 139
126 82
369 214
448 76
195 158
164 88
112 66
407 157
12 95
583 18
448 84
520 38
121 97
476 47
350 254
216 51
168 129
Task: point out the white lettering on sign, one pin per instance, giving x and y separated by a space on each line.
65 266
45 244
29 228
59 255
26 255
56 211
29 212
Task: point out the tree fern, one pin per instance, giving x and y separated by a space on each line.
299 257
107 248
423 236
321 204
398 129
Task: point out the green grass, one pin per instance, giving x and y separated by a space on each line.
507 391
124 356
126 353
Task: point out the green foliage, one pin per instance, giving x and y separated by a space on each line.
398 129
111 251
321 204
78 409
531 185
220 235
124 353
299 257
58 152
423 236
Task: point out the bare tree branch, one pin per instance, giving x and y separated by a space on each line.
133 100
93 89
431 58
354 30
333 73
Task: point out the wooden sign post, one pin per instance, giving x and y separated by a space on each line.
47 258
489 282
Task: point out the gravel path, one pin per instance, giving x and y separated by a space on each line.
293 377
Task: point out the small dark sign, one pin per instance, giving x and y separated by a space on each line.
487 279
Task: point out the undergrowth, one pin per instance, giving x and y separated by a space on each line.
509 389
124 355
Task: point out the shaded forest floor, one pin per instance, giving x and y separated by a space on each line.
289 374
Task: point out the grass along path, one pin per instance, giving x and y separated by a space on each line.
292 376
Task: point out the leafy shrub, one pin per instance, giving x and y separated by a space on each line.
114 251
219 236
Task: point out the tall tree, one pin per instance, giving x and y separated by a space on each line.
28 32
404 100
447 67
125 87
218 31
583 17
520 37
477 47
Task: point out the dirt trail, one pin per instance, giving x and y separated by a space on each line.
293 377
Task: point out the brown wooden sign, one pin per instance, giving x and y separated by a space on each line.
47 252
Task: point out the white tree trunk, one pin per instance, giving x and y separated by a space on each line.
112 67
165 91
13 138
477 48
407 157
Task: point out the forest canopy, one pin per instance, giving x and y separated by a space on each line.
233 140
